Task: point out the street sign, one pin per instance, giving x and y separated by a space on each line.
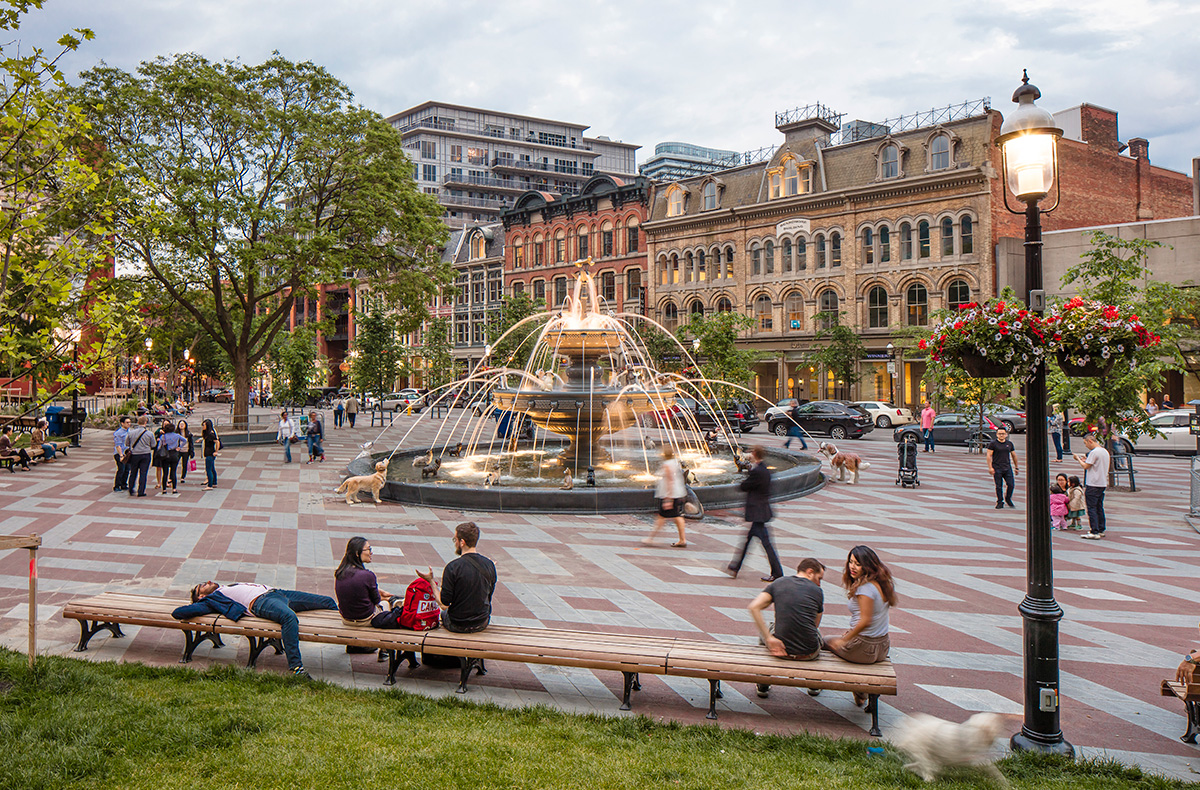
891 368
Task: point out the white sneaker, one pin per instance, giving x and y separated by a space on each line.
1092 535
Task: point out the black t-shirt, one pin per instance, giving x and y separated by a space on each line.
467 586
1001 451
798 601
210 442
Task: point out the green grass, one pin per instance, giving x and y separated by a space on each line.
75 724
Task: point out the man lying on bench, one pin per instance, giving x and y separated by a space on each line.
279 606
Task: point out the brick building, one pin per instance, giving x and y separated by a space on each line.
880 222
546 233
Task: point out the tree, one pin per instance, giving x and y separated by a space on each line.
514 350
378 362
245 187
662 349
719 357
291 365
439 361
841 349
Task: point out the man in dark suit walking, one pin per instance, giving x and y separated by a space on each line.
757 486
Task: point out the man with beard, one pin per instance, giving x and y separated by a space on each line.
468 582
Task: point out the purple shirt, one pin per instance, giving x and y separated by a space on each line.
357 594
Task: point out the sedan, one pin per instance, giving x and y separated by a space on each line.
1173 435
1012 420
959 429
828 417
885 414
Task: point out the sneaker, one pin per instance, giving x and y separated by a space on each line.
763 690
999 507
730 572
301 674
1010 504
1092 535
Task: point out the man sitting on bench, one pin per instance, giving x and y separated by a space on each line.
280 606
468 582
799 604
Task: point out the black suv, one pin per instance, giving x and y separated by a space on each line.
738 415
831 418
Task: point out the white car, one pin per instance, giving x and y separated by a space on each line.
780 410
885 414
1173 435
399 401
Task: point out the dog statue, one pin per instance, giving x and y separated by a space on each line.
431 470
457 450
842 462
568 480
373 482
743 463
423 460
492 478
710 440
935 744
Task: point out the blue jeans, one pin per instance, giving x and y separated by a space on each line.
139 469
280 606
210 470
795 433
49 451
287 450
1058 448
927 434
1094 497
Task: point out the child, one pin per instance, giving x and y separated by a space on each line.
1058 507
1075 503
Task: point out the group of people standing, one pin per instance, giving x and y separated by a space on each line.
170 449
345 410
288 433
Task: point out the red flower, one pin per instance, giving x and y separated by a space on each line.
922 344
958 324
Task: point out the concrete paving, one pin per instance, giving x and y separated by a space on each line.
959 564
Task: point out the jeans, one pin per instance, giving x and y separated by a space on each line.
287 449
314 446
171 471
350 415
49 451
1094 496
139 470
1058 448
122 476
280 606
1004 477
796 433
210 470
758 530
927 434
338 416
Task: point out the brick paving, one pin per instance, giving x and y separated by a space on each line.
956 638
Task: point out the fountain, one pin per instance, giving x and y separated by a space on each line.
588 386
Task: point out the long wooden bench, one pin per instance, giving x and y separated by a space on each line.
9 461
1190 696
628 654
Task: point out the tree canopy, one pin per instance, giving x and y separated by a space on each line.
377 363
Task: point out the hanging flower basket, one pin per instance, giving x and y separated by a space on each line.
1089 338
991 340
71 368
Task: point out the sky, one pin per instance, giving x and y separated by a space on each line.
709 72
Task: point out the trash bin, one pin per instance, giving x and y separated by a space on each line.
54 416
73 424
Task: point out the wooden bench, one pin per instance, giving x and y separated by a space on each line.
1190 695
115 392
629 654
9 461
23 424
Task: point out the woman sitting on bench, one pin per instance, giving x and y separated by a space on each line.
39 437
360 600
18 454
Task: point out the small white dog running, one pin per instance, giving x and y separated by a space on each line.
935 744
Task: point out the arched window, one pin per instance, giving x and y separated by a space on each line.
917 301
791 178
820 252
906 251
519 288
966 239
947 237
762 313
835 250
670 316
801 255
689 266
786 254
633 283
581 244
958 294
710 196
755 261
889 162
923 239
696 308
828 303
675 202
868 245
538 250
877 308
674 269
769 257
518 254
701 267
478 246
560 246
664 272
724 305
776 184
606 239
885 244
793 312
939 153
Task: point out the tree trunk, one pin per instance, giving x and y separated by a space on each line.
241 390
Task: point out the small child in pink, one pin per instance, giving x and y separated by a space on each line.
1058 507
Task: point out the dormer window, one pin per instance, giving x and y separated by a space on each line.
889 162
710 196
939 153
790 178
478 247
675 202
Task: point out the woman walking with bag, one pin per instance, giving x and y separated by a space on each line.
211 446
286 434
168 451
671 493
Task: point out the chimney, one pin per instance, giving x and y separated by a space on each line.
1139 148
1098 128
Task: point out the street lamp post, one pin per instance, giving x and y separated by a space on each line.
149 388
76 423
187 355
1028 140
891 369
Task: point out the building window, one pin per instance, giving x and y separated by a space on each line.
477 156
478 246
675 202
806 175
828 303
518 254
539 251
631 239
958 294
560 291
724 305
755 261
868 244
947 237
670 316
776 185
674 270
664 273
633 283
917 300
477 288
539 290
582 244
729 263
456 154
877 308
793 309
608 287
495 286
791 178
966 241
710 196
939 153
889 162
606 240
820 252
701 267
689 266
885 245
560 247
923 239
769 257
428 149
786 255
429 172
801 255
696 308
518 288
906 244
835 250
462 329
762 313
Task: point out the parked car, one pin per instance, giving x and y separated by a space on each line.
830 418
885 414
782 409
1013 420
737 415
953 428
399 401
1173 435
217 395
673 414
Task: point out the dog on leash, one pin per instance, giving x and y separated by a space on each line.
373 483
431 470
842 462
934 744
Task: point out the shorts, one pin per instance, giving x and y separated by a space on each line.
672 512
863 649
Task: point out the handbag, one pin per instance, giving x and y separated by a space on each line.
192 465
127 457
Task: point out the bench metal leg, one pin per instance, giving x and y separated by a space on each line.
873 709
192 640
714 694
395 659
632 683
1193 716
467 664
259 644
89 628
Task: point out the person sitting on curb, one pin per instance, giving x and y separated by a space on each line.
468 582
799 605
279 606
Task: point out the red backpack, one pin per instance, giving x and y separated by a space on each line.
421 611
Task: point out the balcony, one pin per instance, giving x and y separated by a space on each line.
522 166
447 199
463 126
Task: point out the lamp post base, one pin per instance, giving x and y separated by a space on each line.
1026 741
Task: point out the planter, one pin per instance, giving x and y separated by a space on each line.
1095 367
983 368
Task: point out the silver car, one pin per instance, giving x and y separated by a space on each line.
1172 435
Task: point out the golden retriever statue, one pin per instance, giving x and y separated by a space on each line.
374 482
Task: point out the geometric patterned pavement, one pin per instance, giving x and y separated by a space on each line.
959 564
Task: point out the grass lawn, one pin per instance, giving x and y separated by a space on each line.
76 724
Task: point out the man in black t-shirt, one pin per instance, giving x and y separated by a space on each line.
1002 463
468 582
799 604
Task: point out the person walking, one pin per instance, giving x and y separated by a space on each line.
287 430
122 476
140 444
1095 483
794 430
1055 421
1002 463
927 415
339 411
757 486
315 436
351 408
871 595
671 493
211 446
170 445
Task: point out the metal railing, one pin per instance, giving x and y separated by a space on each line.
470 127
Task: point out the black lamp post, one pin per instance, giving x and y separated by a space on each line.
149 388
76 423
1028 140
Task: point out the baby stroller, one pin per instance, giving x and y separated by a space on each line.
907 453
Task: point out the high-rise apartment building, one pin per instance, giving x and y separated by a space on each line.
677 161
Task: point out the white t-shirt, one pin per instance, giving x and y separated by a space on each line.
879 620
1097 473
670 481
243 592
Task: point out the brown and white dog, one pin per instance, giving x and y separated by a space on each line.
373 483
935 744
842 462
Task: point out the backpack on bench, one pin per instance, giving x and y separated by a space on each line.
420 611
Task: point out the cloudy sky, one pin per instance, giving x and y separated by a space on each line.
712 72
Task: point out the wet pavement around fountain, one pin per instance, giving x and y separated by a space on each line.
959 564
